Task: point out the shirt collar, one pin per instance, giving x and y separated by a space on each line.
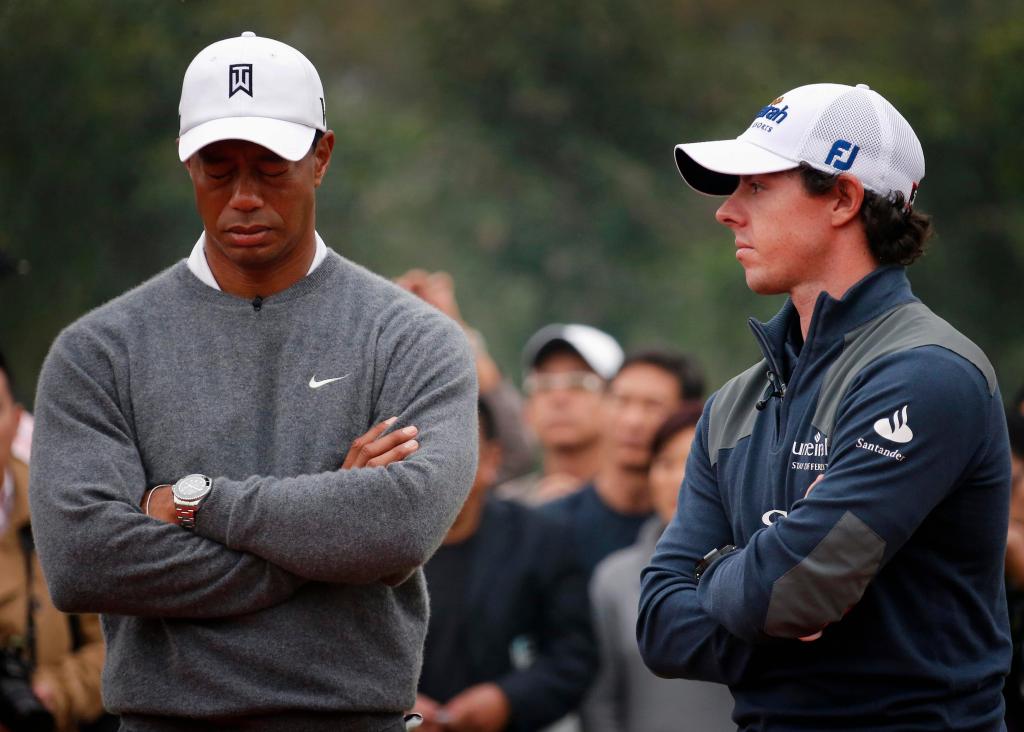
201 268
878 292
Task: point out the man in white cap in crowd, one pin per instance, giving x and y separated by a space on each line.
837 551
567 370
193 477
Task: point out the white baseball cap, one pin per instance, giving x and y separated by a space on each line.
833 128
602 353
255 89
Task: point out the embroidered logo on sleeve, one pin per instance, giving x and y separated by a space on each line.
897 429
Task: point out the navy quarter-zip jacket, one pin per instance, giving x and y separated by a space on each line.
896 555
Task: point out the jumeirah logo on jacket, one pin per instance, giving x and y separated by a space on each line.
895 428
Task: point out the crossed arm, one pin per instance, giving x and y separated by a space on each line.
373 449
260 539
791 579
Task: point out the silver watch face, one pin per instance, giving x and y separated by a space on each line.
192 487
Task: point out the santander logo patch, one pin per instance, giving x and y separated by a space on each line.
896 428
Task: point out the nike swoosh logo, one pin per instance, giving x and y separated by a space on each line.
314 384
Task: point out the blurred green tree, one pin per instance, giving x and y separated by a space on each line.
523 146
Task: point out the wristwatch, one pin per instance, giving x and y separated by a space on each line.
189 493
710 558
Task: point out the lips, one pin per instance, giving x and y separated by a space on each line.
250 235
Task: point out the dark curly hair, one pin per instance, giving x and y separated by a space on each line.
896 234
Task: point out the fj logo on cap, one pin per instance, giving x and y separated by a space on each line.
239 79
842 155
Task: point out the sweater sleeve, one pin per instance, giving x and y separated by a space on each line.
99 552
369 524
676 635
912 427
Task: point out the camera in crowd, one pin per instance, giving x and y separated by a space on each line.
20 708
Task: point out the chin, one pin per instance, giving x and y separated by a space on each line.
632 459
762 286
563 438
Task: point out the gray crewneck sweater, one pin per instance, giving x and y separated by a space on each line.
274 610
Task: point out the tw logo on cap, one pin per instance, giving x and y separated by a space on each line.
239 79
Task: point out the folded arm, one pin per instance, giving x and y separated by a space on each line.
367 524
100 553
676 635
806 570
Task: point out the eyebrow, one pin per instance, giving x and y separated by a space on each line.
208 157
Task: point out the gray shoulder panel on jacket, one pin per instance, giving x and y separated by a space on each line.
733 413
904 327
827 582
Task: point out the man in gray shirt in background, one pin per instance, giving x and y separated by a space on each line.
192 475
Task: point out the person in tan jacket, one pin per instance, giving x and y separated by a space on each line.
68 649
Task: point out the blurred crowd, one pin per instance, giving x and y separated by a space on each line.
534 591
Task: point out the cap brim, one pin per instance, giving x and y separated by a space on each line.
290 140
714 168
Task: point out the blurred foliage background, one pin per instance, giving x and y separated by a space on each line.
525 147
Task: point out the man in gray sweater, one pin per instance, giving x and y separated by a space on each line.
191 434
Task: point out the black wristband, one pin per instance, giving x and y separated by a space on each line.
710 558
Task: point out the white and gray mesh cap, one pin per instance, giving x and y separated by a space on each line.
832 127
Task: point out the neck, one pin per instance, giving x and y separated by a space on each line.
848 267
468 520
624 489
263 279
579 461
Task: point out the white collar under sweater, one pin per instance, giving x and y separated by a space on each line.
201 268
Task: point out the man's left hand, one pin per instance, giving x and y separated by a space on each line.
480 708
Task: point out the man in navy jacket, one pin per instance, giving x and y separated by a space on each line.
837 553
509 645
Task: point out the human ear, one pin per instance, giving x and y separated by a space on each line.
322 157
847 199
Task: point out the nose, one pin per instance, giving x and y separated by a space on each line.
246 195
728 214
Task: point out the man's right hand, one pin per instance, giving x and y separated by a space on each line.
370 450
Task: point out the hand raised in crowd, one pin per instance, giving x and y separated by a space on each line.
438 289
435 288
369 450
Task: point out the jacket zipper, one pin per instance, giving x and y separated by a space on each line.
776 387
